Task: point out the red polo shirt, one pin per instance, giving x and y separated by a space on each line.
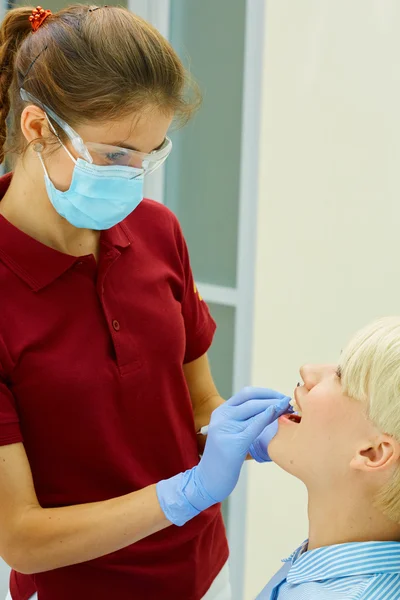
91 381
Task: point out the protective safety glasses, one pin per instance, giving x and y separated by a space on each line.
103 154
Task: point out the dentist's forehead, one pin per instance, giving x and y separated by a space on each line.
144 132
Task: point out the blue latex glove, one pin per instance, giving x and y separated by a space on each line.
259 448
234 427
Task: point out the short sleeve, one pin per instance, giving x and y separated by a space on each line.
10 432
199 325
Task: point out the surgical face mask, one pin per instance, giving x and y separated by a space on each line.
98 197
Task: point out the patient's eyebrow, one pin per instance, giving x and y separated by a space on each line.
339 372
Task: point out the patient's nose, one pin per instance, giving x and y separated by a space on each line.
312 374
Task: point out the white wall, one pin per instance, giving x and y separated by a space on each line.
329 216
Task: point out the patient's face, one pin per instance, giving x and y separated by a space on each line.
319 449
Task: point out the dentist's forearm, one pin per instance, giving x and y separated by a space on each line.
49 538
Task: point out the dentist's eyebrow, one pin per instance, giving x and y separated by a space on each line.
127 147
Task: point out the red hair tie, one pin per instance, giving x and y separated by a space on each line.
38 17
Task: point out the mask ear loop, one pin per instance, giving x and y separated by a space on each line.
38 148
53 129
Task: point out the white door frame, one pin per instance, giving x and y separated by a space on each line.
157 12
241 297
246 258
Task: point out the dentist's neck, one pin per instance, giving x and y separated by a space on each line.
339 516
27 206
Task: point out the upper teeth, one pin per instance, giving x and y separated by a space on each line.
295 406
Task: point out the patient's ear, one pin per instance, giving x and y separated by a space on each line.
378 455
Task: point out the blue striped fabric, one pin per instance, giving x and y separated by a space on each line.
356 571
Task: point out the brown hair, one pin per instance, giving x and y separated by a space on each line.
88 64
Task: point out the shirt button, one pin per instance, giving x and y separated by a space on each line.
116 325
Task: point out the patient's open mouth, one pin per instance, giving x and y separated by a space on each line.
295 415
295 418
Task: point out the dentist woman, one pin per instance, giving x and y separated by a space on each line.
104 378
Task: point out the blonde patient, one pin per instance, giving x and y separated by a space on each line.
345 446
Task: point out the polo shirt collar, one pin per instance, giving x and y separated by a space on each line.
119 236
343 560
36 264
39 265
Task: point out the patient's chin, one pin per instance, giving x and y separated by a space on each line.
276 450
281 455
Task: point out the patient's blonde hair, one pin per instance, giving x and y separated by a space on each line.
370 372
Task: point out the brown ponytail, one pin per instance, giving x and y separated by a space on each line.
88 65
14 29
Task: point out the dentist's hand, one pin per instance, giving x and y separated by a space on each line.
259 448
234 427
